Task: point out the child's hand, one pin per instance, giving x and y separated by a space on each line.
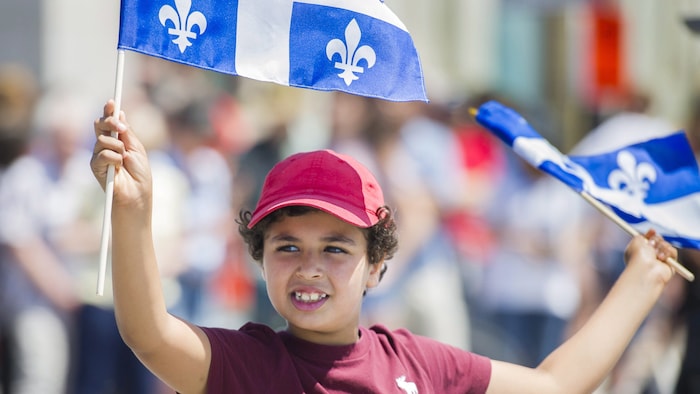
132 181
651 251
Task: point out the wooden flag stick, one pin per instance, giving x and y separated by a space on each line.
605 210
109 185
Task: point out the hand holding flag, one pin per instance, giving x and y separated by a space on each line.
651 184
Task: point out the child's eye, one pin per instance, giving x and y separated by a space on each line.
335 249
287 248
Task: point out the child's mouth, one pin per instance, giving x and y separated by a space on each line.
308 301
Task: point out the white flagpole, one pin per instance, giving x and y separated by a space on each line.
109 185
605 210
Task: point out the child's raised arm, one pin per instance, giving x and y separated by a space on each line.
176 351
582 362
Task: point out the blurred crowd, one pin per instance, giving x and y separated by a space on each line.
495 257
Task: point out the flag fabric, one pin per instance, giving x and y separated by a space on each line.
355 46
649 184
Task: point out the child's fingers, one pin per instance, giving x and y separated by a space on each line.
108 124
664 250
652 237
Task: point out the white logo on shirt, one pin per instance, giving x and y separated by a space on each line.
408 387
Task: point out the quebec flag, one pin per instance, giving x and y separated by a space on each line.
650 184
355 46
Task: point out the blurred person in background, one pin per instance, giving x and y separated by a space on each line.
418 160
483 164
234 283
37 296
529 290
207 213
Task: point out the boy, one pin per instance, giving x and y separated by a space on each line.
322 234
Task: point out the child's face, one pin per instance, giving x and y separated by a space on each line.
316 270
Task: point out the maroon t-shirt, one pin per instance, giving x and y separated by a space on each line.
256 359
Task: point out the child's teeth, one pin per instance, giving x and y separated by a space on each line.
306 297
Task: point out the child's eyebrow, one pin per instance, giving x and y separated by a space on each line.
284 238
332 238
338 238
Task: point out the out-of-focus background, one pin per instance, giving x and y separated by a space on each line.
494 257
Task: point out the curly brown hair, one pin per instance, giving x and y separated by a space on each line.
382 238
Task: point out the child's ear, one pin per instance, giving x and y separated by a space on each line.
375 274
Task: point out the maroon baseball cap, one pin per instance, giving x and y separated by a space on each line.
322 179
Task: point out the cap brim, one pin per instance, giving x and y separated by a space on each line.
337 209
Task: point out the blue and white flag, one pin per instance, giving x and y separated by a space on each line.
355 46
650 184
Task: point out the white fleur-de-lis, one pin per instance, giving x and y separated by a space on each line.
350 54
632 178
183 22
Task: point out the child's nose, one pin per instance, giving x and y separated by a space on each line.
310 266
